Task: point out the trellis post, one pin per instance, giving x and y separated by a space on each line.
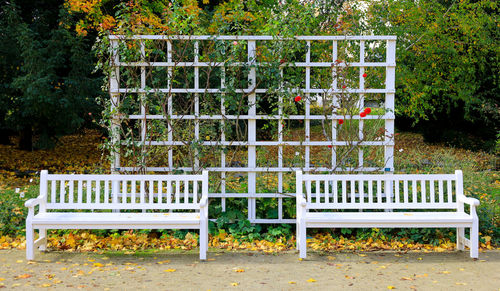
389 108
114 85
252 128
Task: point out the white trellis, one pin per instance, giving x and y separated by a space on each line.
252 143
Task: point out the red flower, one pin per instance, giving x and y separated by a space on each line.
364 75
343 86
330 146
362 114
368 110
341 121
298 98
282 61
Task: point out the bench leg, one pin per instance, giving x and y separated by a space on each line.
203 240
302 240
474 239
460 237
43 235
30 250
297 235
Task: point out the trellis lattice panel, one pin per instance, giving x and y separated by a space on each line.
359 55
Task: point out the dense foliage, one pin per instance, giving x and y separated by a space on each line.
46 72
447 63
447 54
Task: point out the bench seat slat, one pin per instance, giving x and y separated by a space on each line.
386 217
115 218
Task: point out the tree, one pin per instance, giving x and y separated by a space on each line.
448 61
52 88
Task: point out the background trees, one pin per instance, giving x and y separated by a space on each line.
447 78
46 72
447 72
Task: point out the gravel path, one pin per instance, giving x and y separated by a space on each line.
176 270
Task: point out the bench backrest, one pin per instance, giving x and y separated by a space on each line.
380 191
116 192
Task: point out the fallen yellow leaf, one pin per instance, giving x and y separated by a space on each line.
234 284
169 270
292 282
391 287
445 272
24 276
461 283
311 280
239 270
46 285
19 261
362 255
99 265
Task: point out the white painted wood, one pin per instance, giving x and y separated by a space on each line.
191 210
251 37
143 117
252 127
436 213
114 85
259 117
241 91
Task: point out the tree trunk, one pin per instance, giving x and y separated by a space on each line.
5 136
26 139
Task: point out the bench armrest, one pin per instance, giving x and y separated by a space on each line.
31 205
33 202
204 202
468 200
301 201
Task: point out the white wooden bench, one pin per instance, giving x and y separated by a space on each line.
95 202
385 201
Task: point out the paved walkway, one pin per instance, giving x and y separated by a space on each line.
175 270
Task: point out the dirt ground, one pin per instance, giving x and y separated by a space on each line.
176 270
